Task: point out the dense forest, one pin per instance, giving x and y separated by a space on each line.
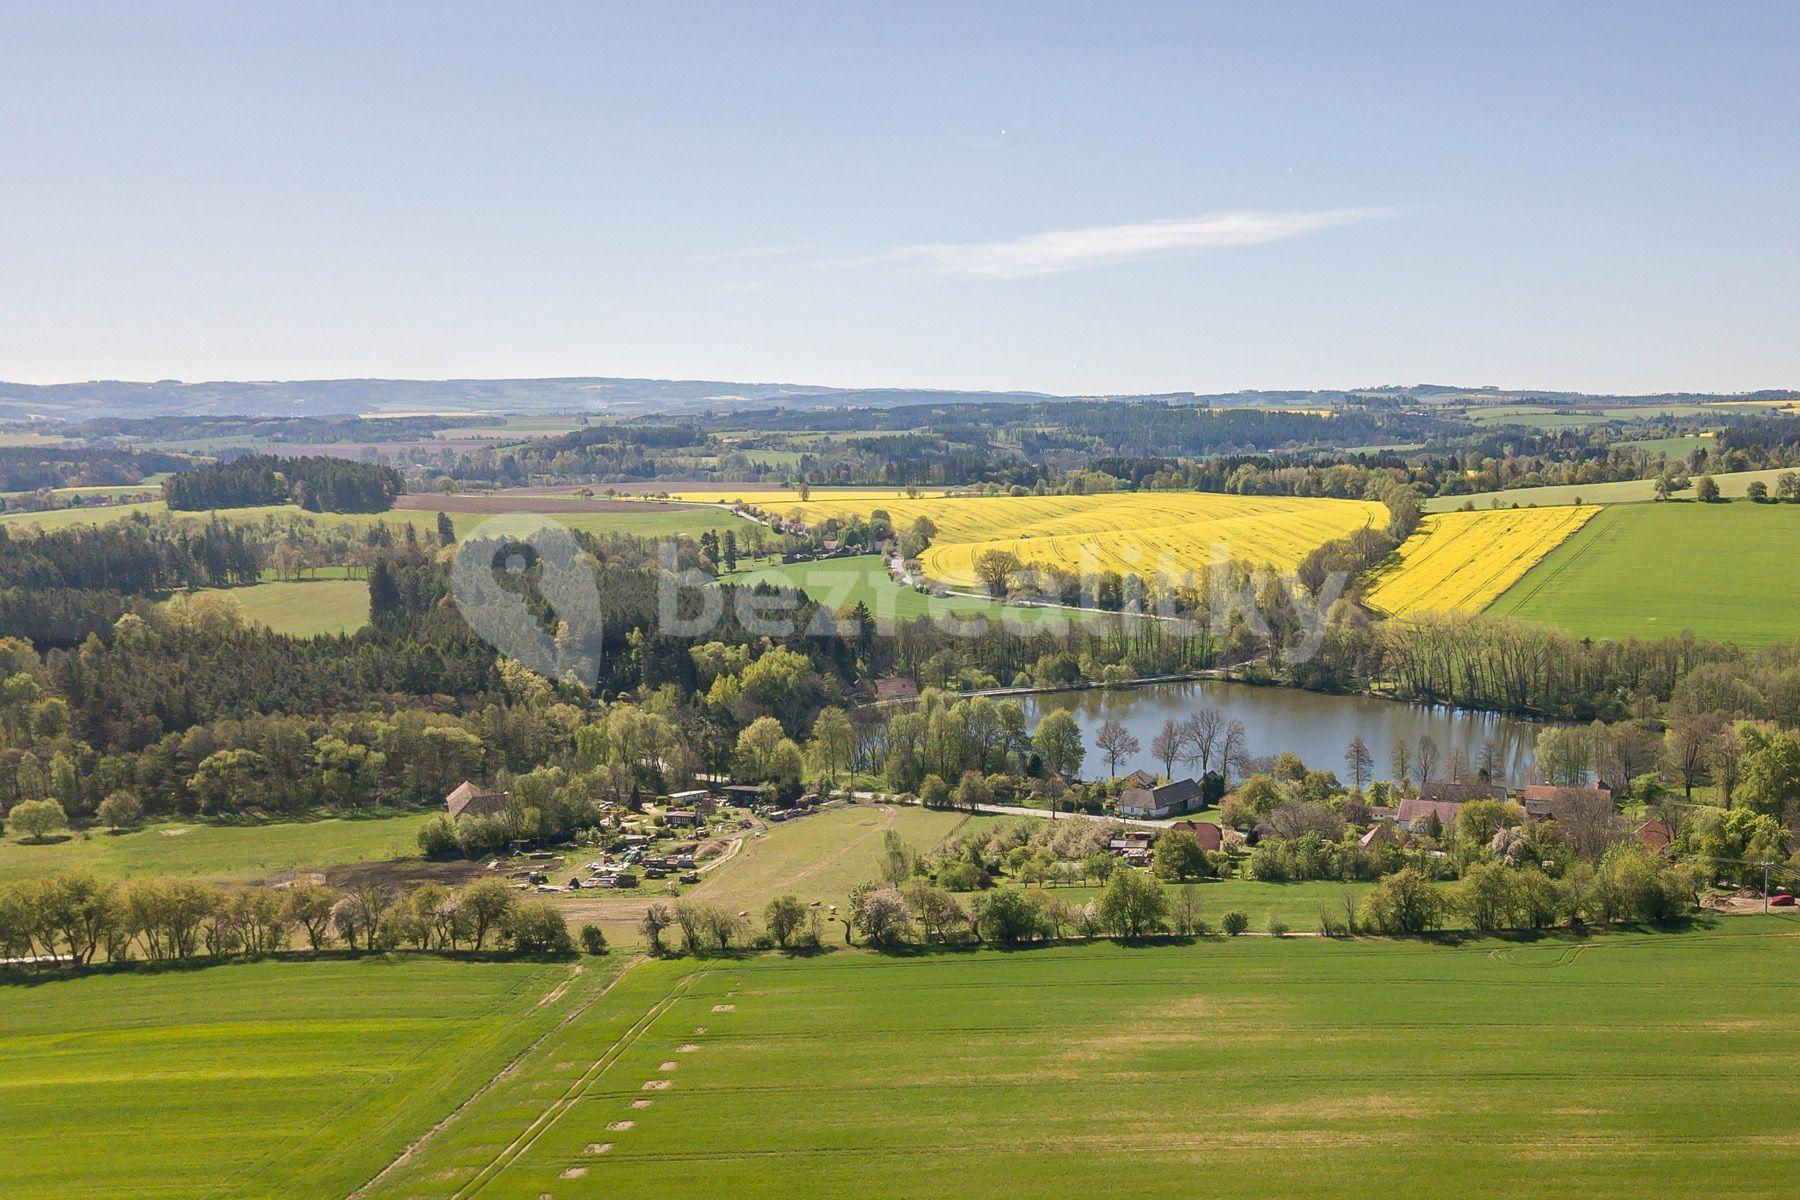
315 483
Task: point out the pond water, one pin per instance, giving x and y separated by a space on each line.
1316 726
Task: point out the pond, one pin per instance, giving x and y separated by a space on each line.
1316 726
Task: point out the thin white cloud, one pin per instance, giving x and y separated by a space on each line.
1074 249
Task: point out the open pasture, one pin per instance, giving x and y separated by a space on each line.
1460 562
225 853
1626 491
1148 533
302 608
1621 1065
1723 571
272 1079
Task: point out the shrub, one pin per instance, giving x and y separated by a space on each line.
119 810
537 927
593 940
1235 922
1277 927
959 876
437 838
37 819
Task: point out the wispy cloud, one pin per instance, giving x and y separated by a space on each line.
1074 249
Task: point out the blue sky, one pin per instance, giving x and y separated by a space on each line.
1091 198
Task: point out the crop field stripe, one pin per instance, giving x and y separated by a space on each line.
474 1097
551 1115
1466 561
1554 565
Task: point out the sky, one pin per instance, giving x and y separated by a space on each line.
1075 199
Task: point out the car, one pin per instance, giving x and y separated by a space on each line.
1782 900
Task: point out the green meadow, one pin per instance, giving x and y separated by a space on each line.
1723 571
653 521
223 852
839 582
302 608
1628 491
1621 1065
274 1079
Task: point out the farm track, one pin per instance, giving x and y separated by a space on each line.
576 1091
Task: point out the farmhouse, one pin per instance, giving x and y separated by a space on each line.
1210 836
1166 800
1545 803
1139 779
1416 814
1655 836
896 687
1460 793
470 801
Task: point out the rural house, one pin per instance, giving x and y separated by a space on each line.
1210 836
896 687
1415 814
1139 779
1460 793
470 801
1655 836
1543 802
1167 800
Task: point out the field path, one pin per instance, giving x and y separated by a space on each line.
562 1104
555 994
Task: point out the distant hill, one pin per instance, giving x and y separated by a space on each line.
608 395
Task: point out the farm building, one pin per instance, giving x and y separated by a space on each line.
1655 835
1210 836
1139 779
1460 793
1166 800
1416 814
896 687
1545 803
1380 833
470 801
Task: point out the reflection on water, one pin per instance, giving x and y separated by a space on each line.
1315 726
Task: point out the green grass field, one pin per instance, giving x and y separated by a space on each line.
302 608
1622 1065
842 581
219 852
1677 448
820 857
277 1079
655 521
1629 491
1724 571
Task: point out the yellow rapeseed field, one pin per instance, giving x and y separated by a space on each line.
1147 533
775 499
1463 561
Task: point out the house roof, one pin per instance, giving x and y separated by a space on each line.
469 800
1140 779
1420 809
1166 795
1544 803
1461 793
1656 835
890 686
1381 831
1210 836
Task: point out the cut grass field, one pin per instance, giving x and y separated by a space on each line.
274 1079
1460 562
1620 1065
821 857
1147 533
1723 571
1628 491
303 608
861 579
223 853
